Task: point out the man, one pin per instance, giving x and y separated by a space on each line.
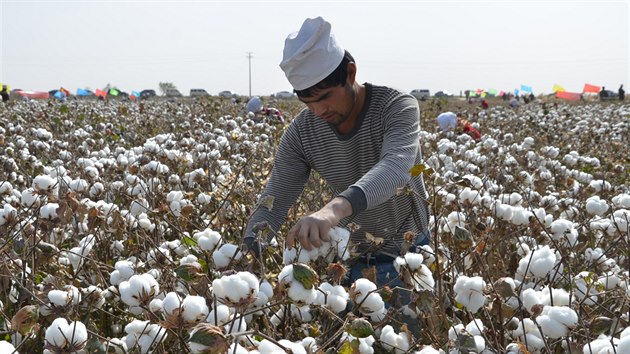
361 138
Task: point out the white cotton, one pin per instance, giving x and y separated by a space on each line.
29 198
204 199
361 288
411 260
6 347
172 301
583 288
43 183
138 290
503 211
143 335
334 297
596 206
540 261
621 201
49 211
226 254
59 298
194 308
397 342
63 334
219 316
469 292
239 288
521 216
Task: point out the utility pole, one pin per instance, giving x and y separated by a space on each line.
249 57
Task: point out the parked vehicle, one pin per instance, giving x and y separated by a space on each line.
285 95
421 94
227 94
199 93
172 92
608 95
442 94
144 94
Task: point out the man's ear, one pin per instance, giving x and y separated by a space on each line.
352 72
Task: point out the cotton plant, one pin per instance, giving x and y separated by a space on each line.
540 262
77 255
333 297
364 294
60 299
557 321
185 312
64 336
468 338
138 291
337 247
299 281
237 290
143 336
527 334
414 272
364 345
607 344
225 255
394 342
469 292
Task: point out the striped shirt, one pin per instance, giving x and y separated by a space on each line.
373 159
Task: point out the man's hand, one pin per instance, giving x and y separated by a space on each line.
312 229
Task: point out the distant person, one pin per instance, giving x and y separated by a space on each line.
449 121
4 93
254 105
622 93
484 104
603 93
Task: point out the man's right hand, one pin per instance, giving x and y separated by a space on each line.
312 230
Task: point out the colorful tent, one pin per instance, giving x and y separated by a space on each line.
591 88
527 89
568 95
33 94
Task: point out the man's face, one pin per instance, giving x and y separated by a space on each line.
333 104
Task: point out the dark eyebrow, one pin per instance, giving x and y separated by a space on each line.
321 98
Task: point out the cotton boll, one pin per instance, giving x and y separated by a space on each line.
521 216
503 211
29 198
225 255
334 297
583 288
194 308
469 292
564 230
63 335
219 316
621 201
596 206
236 289
6 347
49 211
391 340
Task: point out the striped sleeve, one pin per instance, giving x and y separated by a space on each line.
288 177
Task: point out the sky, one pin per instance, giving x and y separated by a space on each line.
422 44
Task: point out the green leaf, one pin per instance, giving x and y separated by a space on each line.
421 169
305 275
350 347
63 108
189 241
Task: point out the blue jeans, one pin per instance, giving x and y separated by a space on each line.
386 274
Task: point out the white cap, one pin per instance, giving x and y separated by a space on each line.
447 121
311 54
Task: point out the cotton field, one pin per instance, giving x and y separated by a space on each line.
121 226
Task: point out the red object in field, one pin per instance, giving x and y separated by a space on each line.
33 94
591 88
571 96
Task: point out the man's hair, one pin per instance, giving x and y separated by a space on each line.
336 78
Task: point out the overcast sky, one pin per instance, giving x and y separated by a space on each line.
438 45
